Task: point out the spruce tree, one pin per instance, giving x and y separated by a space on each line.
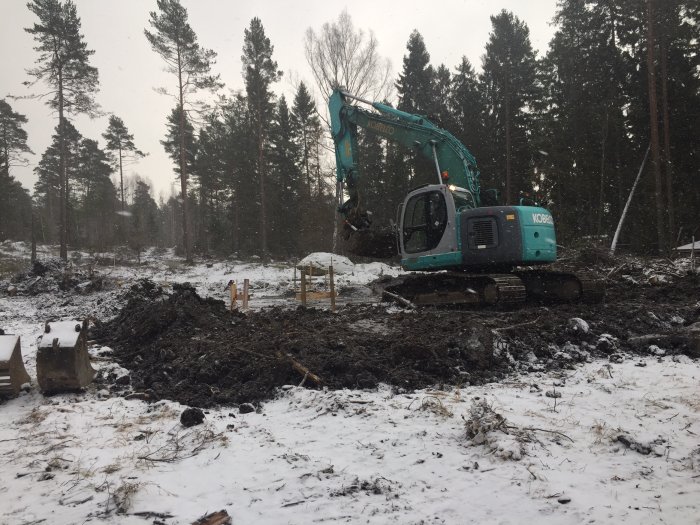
439 111
509 84
288 205
14 202
307 128
466 107
260 72
63 64
415 82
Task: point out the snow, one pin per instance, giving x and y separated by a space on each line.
369 456
322 260
64 331
602 442
7 346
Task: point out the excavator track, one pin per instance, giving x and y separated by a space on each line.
562 287
503 290
509 290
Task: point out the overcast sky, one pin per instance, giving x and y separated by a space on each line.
129 70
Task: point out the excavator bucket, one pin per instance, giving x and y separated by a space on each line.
12 372
62 360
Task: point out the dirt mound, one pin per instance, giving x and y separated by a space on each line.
191 349
52 275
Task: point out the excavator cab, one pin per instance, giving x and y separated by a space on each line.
440 228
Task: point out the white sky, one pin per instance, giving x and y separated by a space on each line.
129 70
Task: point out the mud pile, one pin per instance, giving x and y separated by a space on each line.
191 349
52 275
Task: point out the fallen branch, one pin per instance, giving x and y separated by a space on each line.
399 299
296 365
150 514
516 326
533 429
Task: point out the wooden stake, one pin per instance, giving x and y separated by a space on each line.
332 280
303 288
234 292
246 286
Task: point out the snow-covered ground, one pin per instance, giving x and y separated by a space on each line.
604 443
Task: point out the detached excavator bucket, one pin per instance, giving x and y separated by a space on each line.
62 360
12 372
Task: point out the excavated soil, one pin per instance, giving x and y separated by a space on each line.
190 349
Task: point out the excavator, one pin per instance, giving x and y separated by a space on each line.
459 245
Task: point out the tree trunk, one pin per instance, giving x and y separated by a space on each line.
667 137
261 173
654 127
601 196
183 167
121 184
507 129
63 173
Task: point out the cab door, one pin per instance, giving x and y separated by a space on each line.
428 214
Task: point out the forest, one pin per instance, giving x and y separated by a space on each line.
617 91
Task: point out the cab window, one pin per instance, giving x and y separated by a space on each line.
424 222
463 199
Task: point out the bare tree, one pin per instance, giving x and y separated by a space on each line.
340 55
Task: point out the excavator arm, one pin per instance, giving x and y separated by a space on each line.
454 164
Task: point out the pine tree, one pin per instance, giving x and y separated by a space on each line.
175 140
121 143
53 170
175 41
260 72
64 65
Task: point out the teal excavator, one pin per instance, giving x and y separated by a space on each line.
461 246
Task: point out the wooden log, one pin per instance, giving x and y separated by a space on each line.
296 365
215 518
399 299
